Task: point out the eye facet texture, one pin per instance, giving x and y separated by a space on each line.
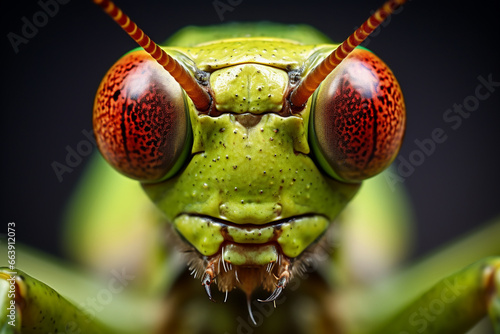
140 119
358 118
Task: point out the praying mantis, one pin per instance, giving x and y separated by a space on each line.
419 318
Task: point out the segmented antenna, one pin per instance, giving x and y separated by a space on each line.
200 97
309 84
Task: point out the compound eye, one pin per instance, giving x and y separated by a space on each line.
358 118
140 119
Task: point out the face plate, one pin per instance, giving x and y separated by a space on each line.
251 199
250 179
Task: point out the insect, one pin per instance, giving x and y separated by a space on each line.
238 256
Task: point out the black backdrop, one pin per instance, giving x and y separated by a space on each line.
437 51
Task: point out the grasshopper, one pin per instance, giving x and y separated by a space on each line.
251 139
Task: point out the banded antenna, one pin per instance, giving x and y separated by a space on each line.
308 85
198 95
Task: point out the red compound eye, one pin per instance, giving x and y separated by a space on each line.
140 119
358 118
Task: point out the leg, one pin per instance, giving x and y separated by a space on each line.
104 300
494 307
454 304
33 307
385 302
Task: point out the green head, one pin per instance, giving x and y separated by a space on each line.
251 179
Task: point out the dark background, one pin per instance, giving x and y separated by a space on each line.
437 51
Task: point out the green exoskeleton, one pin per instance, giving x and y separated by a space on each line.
251 140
